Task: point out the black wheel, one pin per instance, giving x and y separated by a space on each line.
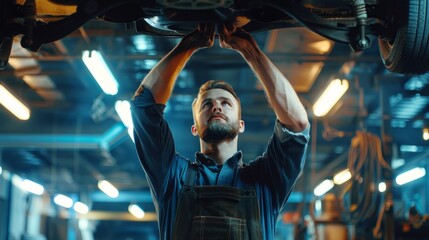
409 51
5 48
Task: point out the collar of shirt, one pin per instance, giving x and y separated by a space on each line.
221 175
233 161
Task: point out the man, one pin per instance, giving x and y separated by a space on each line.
217 196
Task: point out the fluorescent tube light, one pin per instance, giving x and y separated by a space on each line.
425 134
11 103
382 187
143 43
38 81
397 162
323 46
318 205
63 201
410 175
342 177
1 170
25 61
81 208
330 96
131 133
84 225
323 187
32 187
136 211
410 148
108 189
124 112
95 63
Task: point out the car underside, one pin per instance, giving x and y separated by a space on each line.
396 24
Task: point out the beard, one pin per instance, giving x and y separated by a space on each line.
216 131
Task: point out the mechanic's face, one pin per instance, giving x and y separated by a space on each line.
216 114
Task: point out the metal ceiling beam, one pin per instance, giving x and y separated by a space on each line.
50 141
63 141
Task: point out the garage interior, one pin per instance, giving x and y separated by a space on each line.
74 138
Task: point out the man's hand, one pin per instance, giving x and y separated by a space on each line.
235 38
282 97
202 37
161 79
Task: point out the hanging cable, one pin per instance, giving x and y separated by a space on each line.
361 197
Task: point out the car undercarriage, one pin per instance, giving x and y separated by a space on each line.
398 26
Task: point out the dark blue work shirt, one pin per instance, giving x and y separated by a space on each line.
273 174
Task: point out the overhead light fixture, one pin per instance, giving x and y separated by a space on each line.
136 211
323 187
410 175
397 162
330 96
81 208
410 148
131 133
63 201
425 134
417 83
347 67
84 225
108 188
38 81
43 86
11 103
25 62
323 46
96 64
1 170
382 187
124 112
402 105
318 205
32 187
342 177
143 43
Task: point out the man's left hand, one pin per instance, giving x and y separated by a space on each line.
202 37
235 38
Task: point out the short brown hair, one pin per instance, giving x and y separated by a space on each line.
217 84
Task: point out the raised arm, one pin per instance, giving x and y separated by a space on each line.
161 79
284 100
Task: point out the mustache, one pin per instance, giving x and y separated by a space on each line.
217 115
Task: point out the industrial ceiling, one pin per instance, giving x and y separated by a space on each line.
74 137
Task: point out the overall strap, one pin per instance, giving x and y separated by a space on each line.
191 173
244 183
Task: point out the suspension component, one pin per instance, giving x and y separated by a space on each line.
29 11
362 17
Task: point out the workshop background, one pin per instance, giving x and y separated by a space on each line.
74 140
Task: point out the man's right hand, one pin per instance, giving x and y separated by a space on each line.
161 79
202 37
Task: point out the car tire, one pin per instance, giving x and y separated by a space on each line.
409 51
5 49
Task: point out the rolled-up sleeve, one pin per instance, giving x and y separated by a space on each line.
281 163
153 139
